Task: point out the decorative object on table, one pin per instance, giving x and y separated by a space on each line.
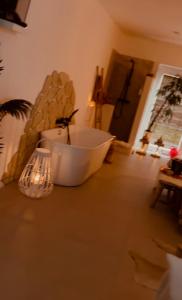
167 170
36 179
64 122
176 166
144 143
171 94
159 143
173 152
17 108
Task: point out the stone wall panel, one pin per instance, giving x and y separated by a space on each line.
56 99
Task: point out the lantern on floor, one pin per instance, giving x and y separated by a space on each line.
36 178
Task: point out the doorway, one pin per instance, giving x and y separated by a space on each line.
124 83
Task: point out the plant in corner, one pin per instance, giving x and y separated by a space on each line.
64 122
171 95
17 108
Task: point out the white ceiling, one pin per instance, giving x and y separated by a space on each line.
157 19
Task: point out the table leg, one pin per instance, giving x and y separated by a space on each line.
158 192
179 193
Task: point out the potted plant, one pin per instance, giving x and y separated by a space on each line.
171 95
17 108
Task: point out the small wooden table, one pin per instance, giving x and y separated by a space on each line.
172 184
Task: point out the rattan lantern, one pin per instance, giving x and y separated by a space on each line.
36 179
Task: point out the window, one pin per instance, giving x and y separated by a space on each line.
171 129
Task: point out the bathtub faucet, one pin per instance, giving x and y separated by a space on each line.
64 122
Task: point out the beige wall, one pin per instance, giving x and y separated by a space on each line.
71 36
161 52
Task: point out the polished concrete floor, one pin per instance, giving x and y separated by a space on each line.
74 244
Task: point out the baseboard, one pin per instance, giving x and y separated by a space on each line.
122 147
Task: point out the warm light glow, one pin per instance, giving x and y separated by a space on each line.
36 179
91 104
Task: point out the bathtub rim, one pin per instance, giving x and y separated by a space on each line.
55 141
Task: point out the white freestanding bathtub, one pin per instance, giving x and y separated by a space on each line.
73 164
